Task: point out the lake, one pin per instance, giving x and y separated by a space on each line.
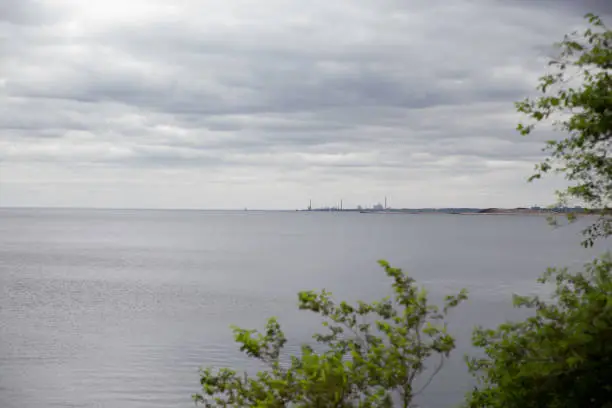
119 308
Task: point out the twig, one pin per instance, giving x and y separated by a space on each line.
431 377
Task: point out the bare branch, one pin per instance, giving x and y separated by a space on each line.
437 370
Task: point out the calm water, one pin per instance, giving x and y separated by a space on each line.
120 308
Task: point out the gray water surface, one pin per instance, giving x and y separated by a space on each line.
110 308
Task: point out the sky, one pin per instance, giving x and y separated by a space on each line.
268 104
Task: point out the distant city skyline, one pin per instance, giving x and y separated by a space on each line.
313 204
381 206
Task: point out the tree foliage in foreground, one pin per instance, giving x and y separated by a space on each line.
577 99
371 354
561 356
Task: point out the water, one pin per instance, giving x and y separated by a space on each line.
108 308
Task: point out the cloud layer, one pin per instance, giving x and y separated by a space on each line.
267 104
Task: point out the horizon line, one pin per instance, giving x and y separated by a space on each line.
36 207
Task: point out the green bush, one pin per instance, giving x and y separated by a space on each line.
371 354
559 357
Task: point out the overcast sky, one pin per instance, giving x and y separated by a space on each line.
270 103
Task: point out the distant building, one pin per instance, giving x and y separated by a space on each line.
378 206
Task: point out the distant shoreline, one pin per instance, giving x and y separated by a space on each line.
448 211
467 213
406 211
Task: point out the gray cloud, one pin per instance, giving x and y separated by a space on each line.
28 12
600 7
227 104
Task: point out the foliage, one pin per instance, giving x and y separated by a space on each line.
584 112
560 357
363 362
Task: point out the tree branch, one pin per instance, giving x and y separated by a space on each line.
432 376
